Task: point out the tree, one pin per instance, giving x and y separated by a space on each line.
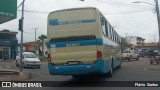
124 44
40 43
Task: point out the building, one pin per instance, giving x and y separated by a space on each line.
8 44
134 40
8 40
29 46
147 46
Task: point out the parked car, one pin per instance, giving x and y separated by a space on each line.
150 53
157 52
141 54
29 59
129 55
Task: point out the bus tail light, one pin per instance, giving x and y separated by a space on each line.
99 55
49 57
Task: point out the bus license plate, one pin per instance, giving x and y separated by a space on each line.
73 62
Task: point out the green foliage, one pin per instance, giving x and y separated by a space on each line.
124 44
40 43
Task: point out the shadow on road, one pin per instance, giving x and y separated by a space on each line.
97 80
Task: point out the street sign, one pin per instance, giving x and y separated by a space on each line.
8 10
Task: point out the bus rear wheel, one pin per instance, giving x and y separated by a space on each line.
78 76
110 73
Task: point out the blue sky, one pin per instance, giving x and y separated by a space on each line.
135 19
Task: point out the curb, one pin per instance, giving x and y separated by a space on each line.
8 73
17 76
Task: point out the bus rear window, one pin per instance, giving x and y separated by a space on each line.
73 38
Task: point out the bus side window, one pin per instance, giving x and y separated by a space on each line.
106 28
109 35
117 38
103 24
111 32
113 35
102 20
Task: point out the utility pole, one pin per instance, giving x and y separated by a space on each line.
35 38
22 36
126 34
154 39
158 19
126 37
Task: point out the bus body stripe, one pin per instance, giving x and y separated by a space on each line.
77 43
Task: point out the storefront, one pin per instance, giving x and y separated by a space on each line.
8 40
8 44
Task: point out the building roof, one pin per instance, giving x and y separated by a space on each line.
8 32
135 37
29 43
147 44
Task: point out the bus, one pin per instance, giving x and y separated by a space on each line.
80 41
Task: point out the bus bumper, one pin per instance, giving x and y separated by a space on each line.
100 66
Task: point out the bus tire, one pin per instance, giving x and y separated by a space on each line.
110 73
78 76
119 66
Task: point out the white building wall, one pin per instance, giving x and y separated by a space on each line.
133 40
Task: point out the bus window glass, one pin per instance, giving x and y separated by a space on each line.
106 28
74 38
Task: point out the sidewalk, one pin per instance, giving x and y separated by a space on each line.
7 73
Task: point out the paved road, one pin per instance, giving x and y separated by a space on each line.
130 71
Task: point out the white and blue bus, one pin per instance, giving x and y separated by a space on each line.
81 41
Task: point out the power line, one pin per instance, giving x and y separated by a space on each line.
128 12
122 3
20 4
32 33
125 11
29 11
119 3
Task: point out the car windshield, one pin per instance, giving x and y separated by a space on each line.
30 56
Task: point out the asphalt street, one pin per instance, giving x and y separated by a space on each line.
130 71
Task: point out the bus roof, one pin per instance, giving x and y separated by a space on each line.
73 9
